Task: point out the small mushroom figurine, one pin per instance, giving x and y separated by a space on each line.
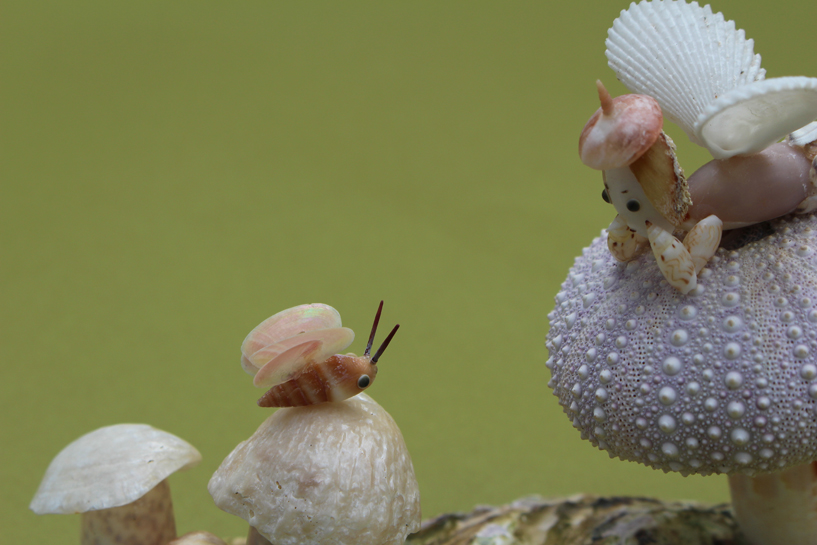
116 477
323 474
716 92
722 377
331 467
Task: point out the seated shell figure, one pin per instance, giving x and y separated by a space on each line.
717 94
717 375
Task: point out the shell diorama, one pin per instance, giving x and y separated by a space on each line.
294 353
691 66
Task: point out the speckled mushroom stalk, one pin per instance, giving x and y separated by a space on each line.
116 477
722 380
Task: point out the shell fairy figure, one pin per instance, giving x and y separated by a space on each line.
706 363
700 72
294 353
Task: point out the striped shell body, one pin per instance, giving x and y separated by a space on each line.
295 354
335 379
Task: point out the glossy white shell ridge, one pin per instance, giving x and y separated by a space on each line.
752 117
681 54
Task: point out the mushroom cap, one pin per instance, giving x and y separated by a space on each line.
721 380
621 131
109 467
323 474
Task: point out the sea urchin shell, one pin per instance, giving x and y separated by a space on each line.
722 379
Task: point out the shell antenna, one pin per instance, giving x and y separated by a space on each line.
605 99
374 329
384 345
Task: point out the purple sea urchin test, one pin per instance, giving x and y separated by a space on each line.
722 379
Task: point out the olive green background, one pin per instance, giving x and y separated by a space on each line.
175 172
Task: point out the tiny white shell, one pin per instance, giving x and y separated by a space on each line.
681 54
750 118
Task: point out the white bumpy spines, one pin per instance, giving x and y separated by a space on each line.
681 54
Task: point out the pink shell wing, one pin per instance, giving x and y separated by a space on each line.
283 325
283 360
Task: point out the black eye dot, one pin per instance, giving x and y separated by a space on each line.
633 205
363 381
605 196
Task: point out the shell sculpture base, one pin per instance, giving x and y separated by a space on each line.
583 519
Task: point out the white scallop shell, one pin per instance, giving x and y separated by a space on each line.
750 118
681 54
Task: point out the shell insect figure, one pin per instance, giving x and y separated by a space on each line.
294 354
731 110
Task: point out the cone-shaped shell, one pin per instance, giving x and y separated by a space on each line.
109 467
331 473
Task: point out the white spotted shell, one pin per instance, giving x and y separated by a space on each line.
721 380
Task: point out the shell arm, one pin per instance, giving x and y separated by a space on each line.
624 243
673 259
702 241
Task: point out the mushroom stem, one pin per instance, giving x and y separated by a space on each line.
778 507
254 538
147 521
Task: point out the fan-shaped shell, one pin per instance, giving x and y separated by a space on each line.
683 55
750 118
280 361
283 325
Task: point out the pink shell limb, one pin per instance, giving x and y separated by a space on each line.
279 362
285 324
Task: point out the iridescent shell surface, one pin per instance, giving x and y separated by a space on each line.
284 343
723 379
325 473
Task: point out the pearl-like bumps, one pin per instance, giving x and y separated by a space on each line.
722 379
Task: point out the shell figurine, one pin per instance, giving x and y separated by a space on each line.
715 90
295 354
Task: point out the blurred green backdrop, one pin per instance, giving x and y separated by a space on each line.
175 172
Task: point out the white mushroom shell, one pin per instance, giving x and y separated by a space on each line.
109 467
323 474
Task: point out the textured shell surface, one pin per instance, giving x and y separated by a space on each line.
681 54
748 119
109 467
723 379
281 361
331 473
288 323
